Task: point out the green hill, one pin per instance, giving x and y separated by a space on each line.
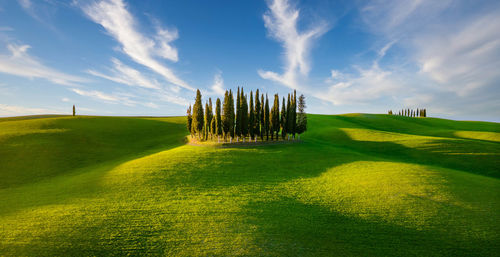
357 184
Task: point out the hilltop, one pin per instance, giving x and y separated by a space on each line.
357 184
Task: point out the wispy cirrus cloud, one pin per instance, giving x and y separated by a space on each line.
465 58
20 63
14 110
123 74
281 21
114 17
455 46
110 98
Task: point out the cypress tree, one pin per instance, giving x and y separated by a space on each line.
283 119
289 116
238 114
294 113
211 116
275 117
301 117
211 124
257 114
266 118
206 122
262 118
272 115
189 120
244 115
226 115
74 110
198 114
251 118
218 121
231 105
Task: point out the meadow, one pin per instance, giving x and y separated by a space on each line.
355 185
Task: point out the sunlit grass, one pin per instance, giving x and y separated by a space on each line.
347 189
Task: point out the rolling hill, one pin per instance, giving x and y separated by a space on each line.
357 184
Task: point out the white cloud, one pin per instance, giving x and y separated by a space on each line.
6 28
366 86
15 110
465 58
151 105
169 97
26 4
121 25
66 100
281 22
20 63
110 98
124 74
218 85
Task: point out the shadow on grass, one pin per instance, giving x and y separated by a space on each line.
40 170
291 228
471 156
79 143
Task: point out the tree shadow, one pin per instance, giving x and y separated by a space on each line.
470 156
58 174
286 227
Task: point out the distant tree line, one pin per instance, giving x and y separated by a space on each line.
251 118
410 112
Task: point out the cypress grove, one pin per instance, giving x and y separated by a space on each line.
244 118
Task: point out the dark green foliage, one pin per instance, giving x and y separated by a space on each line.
211 124
262 118
266 118
294 113
244 114
207 121
283 119
251 117
275 117
237 129
218 121
226 118
289 116
301 117
198 114
231 109
257 113
189 120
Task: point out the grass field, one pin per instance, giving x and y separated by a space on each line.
363 185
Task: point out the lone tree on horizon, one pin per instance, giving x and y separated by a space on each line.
74 110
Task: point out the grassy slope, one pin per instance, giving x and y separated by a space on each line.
357 185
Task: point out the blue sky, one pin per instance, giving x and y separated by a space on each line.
121 57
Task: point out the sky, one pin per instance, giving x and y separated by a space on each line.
123 57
